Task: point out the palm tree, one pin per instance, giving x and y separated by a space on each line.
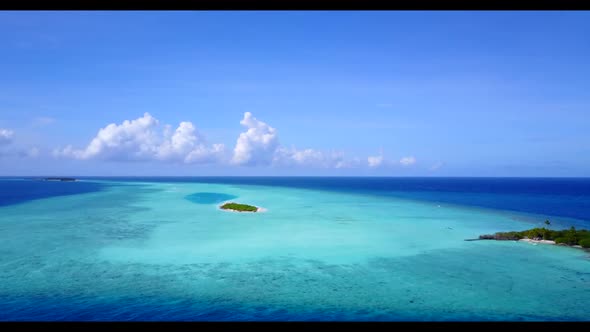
545 237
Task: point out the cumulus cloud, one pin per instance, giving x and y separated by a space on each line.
310 157
68 151
145 138
205 154
135 140
257 145
142 139
380 161
375 161
5 136
407 161
188 145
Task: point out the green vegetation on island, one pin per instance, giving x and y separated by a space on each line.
239 207
569 237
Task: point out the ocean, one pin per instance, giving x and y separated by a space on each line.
325 249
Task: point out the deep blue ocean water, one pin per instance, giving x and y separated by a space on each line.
19 190
565 197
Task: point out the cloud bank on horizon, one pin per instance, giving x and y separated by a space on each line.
146 139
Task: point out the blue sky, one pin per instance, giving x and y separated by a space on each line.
327 93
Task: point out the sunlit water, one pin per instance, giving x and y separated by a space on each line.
164 251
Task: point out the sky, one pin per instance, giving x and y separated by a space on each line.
333 93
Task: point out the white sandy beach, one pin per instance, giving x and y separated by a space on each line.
537 241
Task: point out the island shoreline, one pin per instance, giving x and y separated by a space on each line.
571 238
258 208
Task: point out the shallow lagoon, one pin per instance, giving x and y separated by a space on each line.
151 251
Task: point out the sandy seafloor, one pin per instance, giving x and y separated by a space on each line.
146 251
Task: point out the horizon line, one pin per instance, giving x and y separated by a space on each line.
288 176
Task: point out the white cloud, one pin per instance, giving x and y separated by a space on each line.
133 140
257 145
5 136
68 151
187 145
310 158
407 161
145 139
141 139
375 161
203 154
288 157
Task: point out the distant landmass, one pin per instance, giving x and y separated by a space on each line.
60 179
570 237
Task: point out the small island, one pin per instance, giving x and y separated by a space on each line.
239 207
568 237
60 179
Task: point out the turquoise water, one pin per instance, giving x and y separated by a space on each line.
209 198
164 251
